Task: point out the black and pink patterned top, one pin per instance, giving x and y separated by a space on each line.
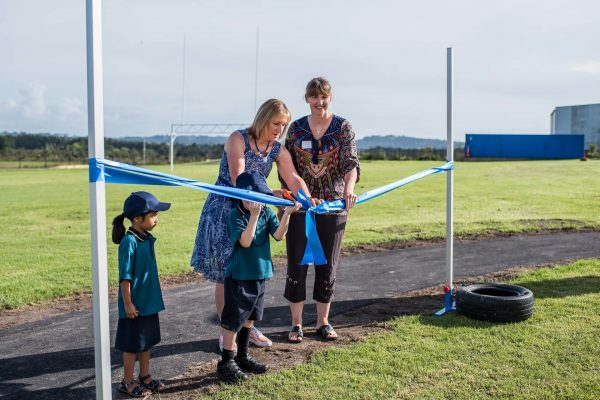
323 163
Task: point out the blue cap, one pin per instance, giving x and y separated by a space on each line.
140 203
254 181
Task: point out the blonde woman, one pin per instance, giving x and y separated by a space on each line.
253 149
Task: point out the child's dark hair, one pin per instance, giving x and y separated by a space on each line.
118 230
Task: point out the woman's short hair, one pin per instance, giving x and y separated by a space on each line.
267 111
317 86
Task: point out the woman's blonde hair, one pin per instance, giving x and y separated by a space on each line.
267 111
317 86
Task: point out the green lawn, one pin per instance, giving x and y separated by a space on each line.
45 245
553 355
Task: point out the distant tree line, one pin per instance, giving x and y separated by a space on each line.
53 149
427 153
56 149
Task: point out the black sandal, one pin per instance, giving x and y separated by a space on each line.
325 330
297 329
138 391
155 385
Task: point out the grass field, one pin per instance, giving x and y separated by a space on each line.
45 243
553 355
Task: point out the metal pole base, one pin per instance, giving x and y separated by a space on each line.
449 304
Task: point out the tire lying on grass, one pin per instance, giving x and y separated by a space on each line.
495 302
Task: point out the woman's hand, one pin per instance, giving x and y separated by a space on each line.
350 199
315 202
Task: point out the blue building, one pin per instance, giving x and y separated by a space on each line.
524 146
579 120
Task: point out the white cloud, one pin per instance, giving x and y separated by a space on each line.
69 107
11 104
589 67
32 103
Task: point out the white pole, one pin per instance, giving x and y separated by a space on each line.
256 73
98 200
171 143
449 175
183 81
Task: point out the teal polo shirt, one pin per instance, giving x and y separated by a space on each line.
137 263
254 262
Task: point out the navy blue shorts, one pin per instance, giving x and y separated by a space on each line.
244 300
137 335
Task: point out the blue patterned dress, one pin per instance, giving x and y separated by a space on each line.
213 247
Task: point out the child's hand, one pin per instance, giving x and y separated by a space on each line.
254 207
292 209
131 311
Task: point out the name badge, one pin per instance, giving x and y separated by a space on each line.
306 144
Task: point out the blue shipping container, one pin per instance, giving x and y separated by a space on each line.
524 146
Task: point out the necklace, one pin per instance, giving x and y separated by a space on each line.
262 153
318 136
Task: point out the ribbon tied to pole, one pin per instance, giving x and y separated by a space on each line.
120 173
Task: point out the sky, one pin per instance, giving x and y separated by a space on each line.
514 61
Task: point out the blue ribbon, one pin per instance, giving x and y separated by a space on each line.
313 252
337 205
96 170
120 173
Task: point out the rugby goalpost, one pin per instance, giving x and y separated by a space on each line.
98 198
206 129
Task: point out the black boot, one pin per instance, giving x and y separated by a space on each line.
249 364
230 372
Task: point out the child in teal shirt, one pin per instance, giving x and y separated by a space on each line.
249 266
140 297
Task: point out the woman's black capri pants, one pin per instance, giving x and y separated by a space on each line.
330 228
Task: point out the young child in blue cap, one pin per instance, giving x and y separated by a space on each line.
247 269
140 298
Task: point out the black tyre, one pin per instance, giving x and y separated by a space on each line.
495 302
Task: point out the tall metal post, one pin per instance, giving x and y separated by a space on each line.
449 303
171 145
256 73
98 200
183 82
450 173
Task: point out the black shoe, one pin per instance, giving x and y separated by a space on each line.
249 364
230 372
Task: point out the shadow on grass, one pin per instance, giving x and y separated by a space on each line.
14 371
556 288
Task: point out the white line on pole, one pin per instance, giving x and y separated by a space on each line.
450 174
98 200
